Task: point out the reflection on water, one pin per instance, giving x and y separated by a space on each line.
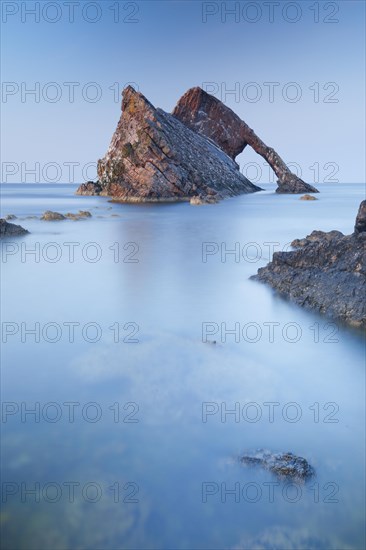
135 444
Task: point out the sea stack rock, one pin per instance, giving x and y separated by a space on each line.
153 156
209 117
326 272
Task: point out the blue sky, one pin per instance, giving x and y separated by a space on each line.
313 52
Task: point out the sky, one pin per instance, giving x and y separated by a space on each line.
294 71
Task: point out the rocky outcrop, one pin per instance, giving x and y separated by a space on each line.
155 157
326 272
209 117
360 224
283 465
50 216
81 215
90 188
11 229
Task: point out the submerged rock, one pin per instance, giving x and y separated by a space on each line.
308 198
286 465
11 229
50 216
82 214
155 157
326 273
209 117
199 200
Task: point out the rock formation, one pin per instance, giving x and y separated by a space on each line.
155 157
283 465
326 272
209 117
50 216
360 225
11 229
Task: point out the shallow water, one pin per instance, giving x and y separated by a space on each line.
151 405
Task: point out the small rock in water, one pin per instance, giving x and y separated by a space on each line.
82 214
199 200
285 465
308 198
49 216
10 217
10 229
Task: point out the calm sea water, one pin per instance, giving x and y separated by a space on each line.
137 423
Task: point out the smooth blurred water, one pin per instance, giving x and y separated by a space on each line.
310 371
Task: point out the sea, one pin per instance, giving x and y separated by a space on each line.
140 362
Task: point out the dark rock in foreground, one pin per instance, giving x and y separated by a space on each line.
209 117
11 229
285 465
154 157
326 273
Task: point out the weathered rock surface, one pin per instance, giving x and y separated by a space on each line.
50 216
326 273
90 188
11 229
155 157
360 225
209 117
285 465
